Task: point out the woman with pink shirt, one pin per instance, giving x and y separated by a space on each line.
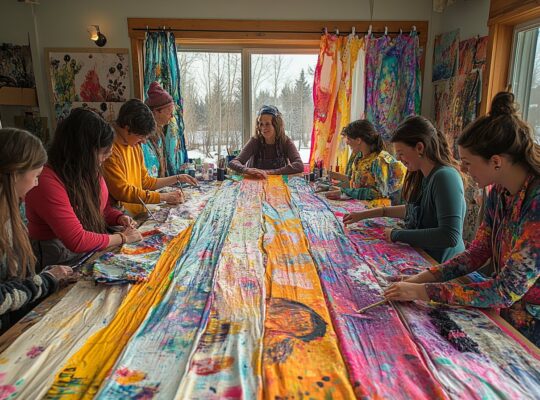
69 212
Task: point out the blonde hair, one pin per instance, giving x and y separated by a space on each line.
20 152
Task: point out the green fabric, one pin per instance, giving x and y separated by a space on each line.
440 214
360 193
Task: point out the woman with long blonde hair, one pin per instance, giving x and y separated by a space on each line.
22 157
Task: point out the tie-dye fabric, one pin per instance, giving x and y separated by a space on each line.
393 82
336 76
161 65
28 365
134 262
257 299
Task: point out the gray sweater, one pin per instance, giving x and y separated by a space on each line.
435 221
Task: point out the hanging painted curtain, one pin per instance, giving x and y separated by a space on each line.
161 65
392 81
338 84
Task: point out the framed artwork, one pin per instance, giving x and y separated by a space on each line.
87 77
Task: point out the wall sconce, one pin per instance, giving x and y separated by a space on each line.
97 36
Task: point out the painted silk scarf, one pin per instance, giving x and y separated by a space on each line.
256 299
161 65
498 368
393 82
338 94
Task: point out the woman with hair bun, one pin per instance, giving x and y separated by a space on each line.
497 149
373 172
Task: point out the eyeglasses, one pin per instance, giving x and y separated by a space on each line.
272 110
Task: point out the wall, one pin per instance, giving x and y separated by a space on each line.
62 23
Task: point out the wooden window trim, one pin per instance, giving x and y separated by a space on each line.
252 33
504 16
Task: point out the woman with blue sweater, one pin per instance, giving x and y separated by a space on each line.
433 190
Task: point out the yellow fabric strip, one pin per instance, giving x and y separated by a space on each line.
301 358
84 373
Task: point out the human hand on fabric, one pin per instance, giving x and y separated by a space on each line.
126 221
388 234
184 178
256 173
406 291
132 235
333 195
353 217
173 198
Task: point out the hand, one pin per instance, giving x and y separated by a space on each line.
172 198
333 195
388 234
354 217
257 173
184 178
63 274
132 235
126 221
405 291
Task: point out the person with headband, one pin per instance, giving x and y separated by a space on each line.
433 190
497 149
269 151
373 172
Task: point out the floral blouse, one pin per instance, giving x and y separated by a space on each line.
376 176
510 236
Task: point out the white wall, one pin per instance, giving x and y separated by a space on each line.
62 23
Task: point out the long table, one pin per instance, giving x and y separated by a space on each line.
254 296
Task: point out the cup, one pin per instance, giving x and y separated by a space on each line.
220 174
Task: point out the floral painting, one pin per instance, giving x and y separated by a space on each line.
98 80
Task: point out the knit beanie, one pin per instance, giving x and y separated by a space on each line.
157 96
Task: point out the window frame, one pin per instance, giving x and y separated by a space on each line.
252 36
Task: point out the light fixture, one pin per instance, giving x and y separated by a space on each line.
97 36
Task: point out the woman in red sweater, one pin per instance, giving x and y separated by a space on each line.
69 212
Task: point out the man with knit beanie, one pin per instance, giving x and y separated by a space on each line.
162 105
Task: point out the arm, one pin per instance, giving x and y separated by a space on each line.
362 193
448 198
15 293
239 163
116 176
51 203
296 165
519 273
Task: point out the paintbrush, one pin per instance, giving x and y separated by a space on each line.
85 258
146 208
363 310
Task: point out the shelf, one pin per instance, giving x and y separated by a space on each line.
13 96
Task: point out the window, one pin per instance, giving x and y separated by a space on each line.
223 89
525 73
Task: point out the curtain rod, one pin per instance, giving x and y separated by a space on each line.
337 32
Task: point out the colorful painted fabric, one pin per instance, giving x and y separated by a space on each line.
350 284
227 360
337 73
510 236
301 354
445 55
83 374
161 65
156 358
376 176
154 158
499 367
134 262
393 82
28 365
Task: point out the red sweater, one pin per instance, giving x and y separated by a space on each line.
50 215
